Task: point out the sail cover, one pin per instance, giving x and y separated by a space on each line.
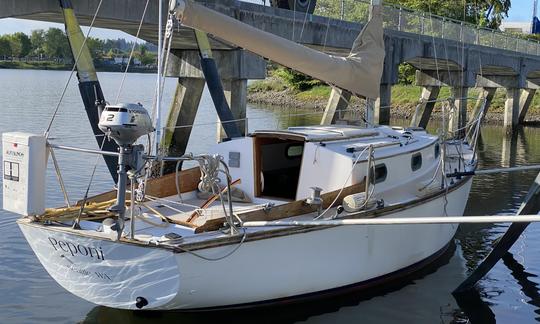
360 72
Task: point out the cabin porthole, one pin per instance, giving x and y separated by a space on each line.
379 173
416 161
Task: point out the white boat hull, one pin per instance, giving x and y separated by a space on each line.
259 271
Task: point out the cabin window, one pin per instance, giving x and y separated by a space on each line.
295 151
437 150
379 173
416 161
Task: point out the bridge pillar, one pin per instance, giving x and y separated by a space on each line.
525 101
425 107
235 68
181 116
338 102
458 115
236 96
485 95
511 109
382 105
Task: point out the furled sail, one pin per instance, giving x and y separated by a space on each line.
359 73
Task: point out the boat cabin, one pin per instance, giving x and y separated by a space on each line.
283 166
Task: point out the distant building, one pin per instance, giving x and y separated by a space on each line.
122 60
516 27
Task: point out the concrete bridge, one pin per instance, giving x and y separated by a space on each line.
445 52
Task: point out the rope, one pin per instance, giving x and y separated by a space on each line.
72 71
218 258
132 51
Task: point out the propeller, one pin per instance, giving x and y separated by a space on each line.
529 206
211 74
89 86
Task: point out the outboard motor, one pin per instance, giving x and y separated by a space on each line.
125 123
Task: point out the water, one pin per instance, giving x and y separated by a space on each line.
509 293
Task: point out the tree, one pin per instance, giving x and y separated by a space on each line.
56 44
5 47
95 46
20 45
37 39
469 11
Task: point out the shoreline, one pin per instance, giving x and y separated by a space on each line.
403 108
51 66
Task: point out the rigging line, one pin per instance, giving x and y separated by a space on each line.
85 198
305 20
345 183
433 41
132 51
72 70
244 235
326 33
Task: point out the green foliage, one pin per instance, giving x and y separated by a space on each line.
406 74
271 84
95 46
296 80
470 11
5 47
20 45
56 44
37 39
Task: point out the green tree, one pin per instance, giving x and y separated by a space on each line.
56 44
470 11
5 47
37 39
20 45
95 45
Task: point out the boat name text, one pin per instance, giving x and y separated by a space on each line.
75 249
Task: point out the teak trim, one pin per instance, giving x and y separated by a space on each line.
160 187
295 208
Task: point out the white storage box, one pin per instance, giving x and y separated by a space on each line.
24 162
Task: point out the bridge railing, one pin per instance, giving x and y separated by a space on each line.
407 20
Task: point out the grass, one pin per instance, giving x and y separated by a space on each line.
402 95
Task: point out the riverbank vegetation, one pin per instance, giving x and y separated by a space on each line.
49 49
282 89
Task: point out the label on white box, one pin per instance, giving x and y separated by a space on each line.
24 165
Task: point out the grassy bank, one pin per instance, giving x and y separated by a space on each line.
273 91
45 65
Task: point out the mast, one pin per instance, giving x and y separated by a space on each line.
157 133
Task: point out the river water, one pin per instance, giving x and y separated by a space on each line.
509 294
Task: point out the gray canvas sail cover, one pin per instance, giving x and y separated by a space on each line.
360 72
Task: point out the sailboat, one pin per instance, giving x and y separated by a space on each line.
223 234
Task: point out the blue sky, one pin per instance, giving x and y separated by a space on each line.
521 11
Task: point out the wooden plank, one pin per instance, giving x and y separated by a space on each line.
160 187
295 208
209 201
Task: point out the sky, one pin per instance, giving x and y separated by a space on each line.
521 10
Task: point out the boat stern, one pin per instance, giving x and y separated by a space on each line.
107 273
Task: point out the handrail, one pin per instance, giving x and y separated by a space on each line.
408 20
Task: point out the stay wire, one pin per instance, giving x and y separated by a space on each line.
47 131
132 51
